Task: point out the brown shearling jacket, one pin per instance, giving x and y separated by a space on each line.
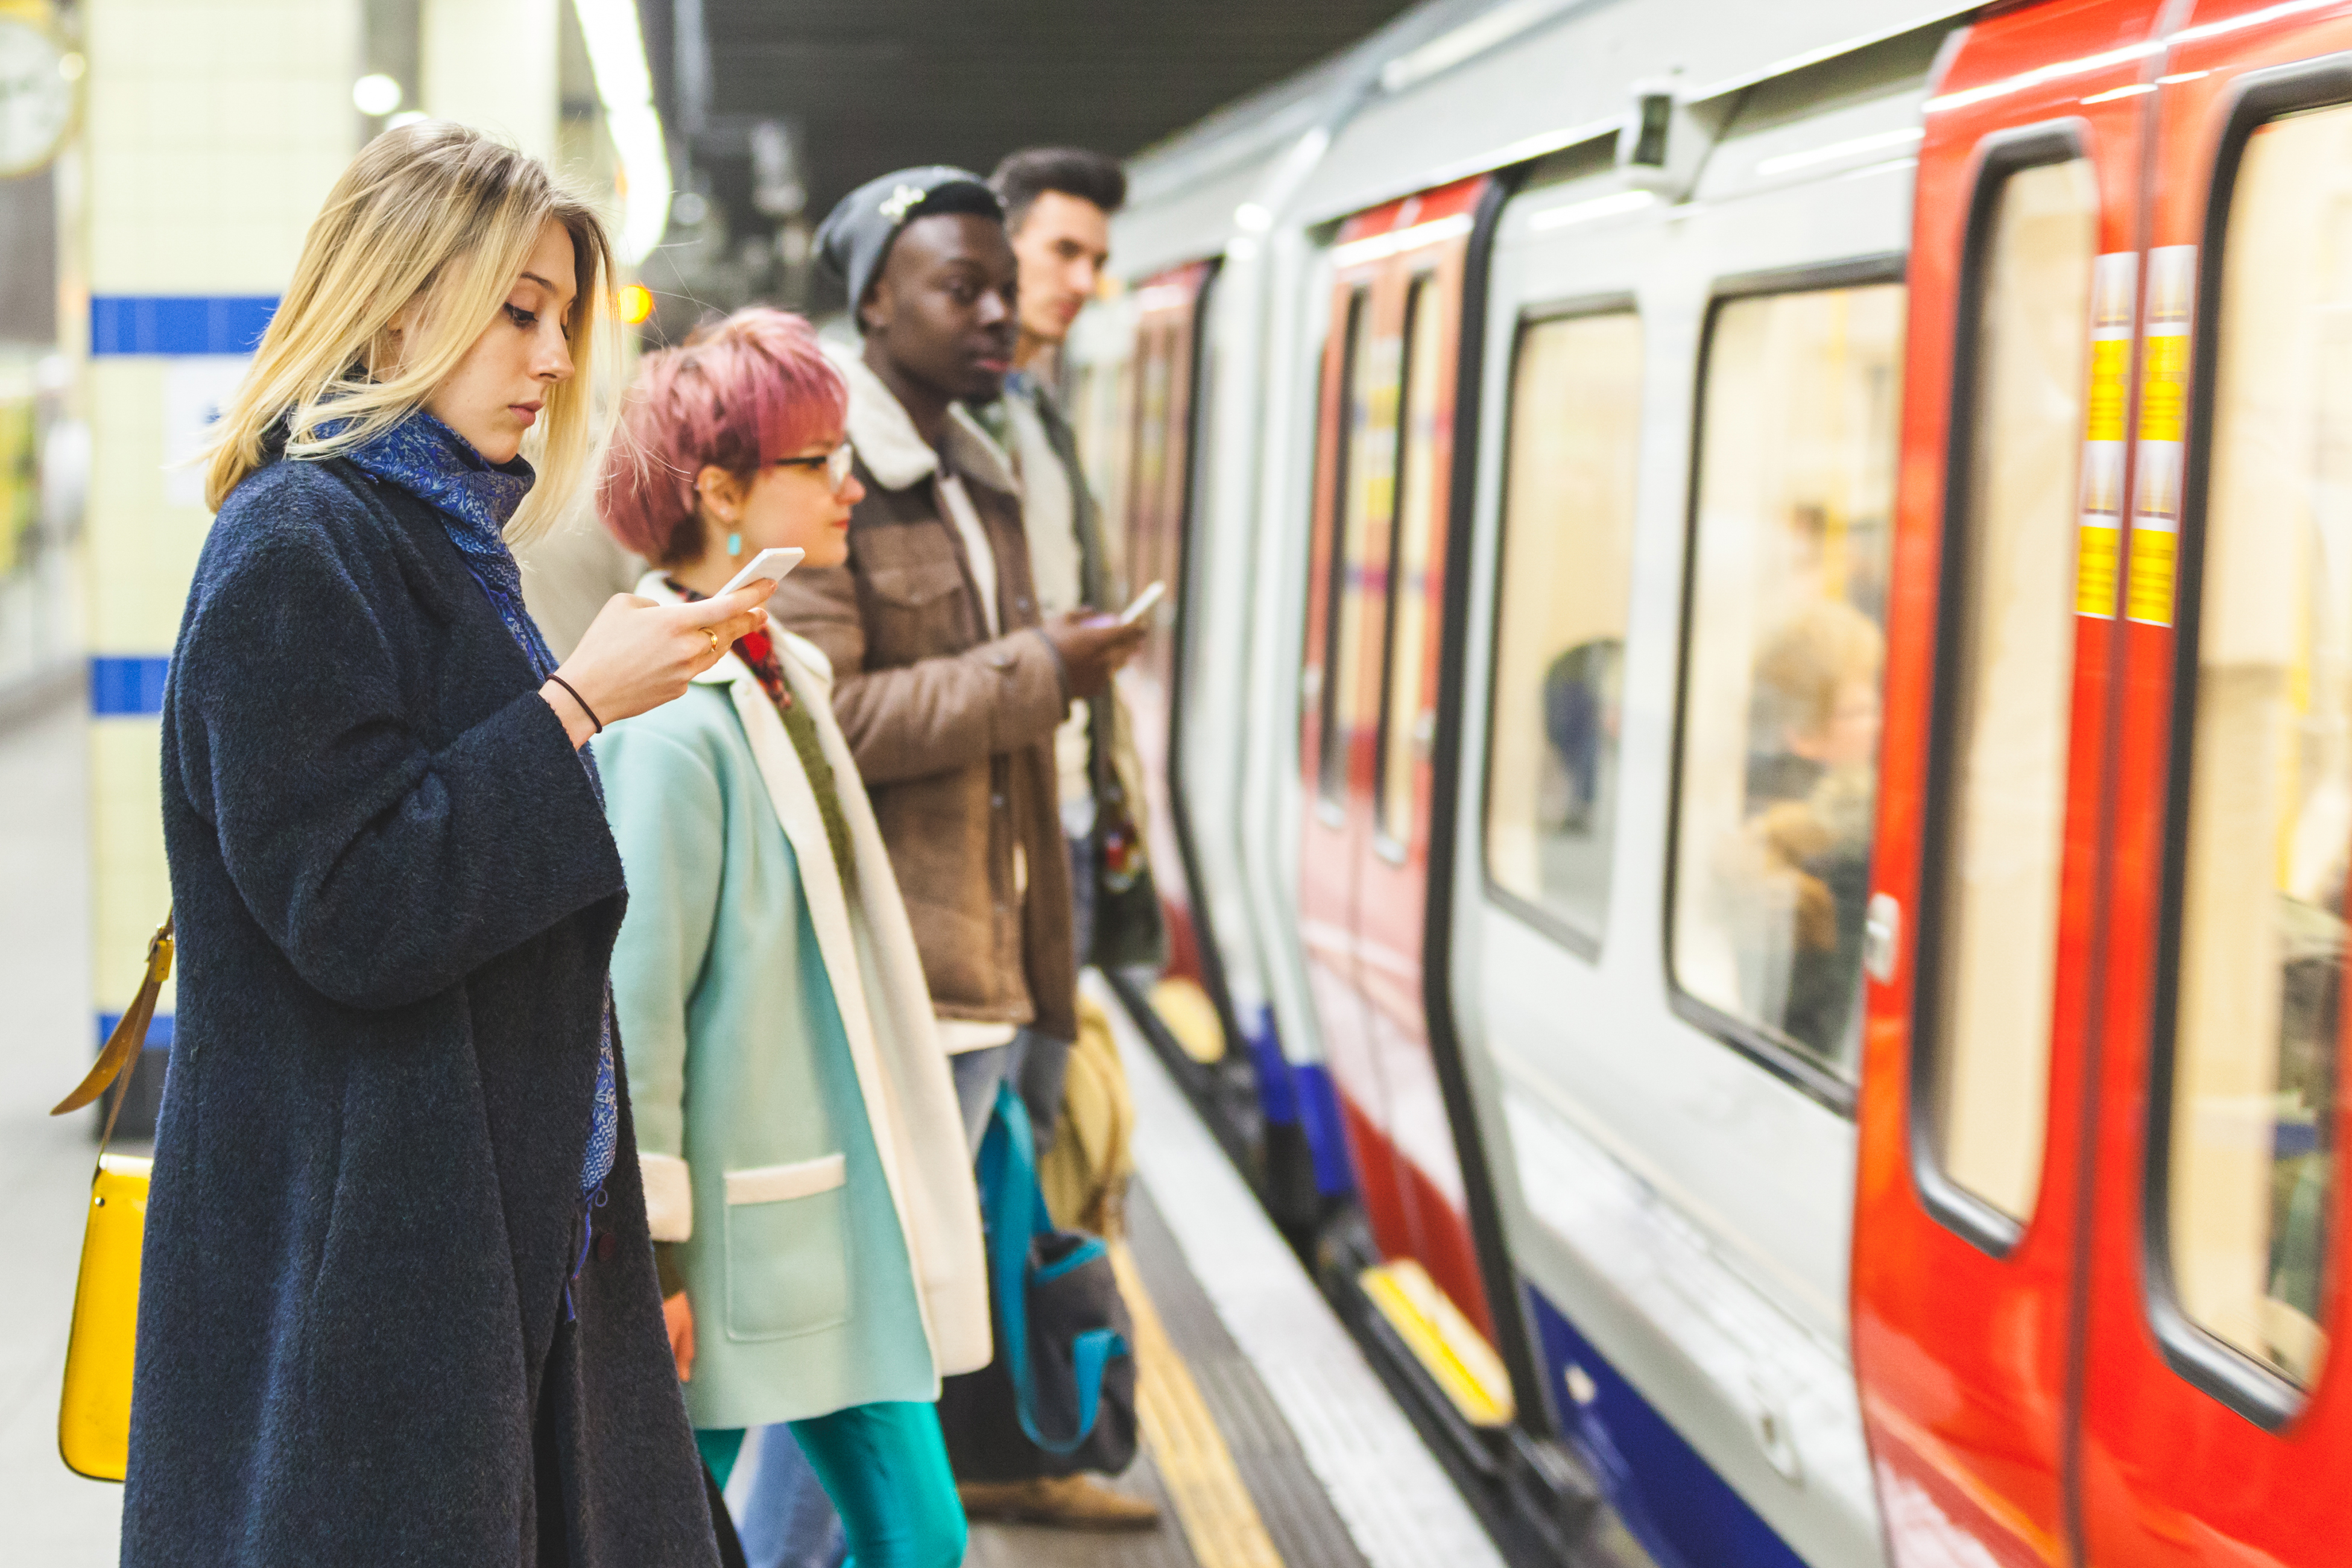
953 729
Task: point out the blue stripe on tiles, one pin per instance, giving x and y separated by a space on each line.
1276 1096
1327 1137
122 687
1683 1512
178 324
159 1029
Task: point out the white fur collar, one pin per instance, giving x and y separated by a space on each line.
895 453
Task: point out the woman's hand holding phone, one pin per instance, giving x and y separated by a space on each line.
637 654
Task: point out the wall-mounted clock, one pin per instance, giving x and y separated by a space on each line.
37 96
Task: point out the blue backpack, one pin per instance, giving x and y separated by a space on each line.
1060 1395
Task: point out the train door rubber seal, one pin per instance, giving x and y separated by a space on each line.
1998 155
2253 1391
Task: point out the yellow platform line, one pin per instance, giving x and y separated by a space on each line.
1221 1522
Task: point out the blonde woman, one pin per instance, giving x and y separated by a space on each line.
399 1302
806 1170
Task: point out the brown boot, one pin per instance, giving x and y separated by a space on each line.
1071 1502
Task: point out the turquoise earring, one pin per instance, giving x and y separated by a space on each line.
734 545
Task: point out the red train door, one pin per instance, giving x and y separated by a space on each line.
1158 490
2216 1417
2023 275
1377 589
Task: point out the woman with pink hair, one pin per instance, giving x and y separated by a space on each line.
805 1175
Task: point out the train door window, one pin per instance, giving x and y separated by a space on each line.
2265 772
1559 642
1364 474
1998 806
1778 759
1406 728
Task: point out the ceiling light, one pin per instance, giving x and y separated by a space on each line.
375 93
617 54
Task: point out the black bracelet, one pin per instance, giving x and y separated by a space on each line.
580 700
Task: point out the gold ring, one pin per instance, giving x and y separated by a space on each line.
714 641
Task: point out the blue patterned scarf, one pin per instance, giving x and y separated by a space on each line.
475 498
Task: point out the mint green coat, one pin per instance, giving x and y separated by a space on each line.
794 1113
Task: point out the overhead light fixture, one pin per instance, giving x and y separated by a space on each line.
1585 212
375 93
617 54
1830 153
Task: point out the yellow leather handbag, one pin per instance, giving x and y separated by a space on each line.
94 1418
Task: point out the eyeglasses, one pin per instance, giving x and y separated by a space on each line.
835 464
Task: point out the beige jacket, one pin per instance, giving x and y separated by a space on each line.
951 729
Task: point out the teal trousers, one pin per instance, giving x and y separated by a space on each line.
885 1465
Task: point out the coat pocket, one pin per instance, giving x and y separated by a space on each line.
787 1249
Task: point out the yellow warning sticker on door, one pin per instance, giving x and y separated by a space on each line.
2153 559
2095 568
2165 394
2110 370
2115 283
2153 565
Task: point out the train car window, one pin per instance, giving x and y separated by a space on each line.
2262 864
1158 477
1996 839
1778 761
1407 723
1559 639
1364 469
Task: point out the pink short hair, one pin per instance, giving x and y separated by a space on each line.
752 389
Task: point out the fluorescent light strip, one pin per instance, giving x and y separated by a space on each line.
2249 19
1584 211
1373 248
1837 149
2042 74
617 54
2129 52
1890 167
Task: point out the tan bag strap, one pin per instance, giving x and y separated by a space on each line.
130 1037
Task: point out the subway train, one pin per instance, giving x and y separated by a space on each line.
1749 754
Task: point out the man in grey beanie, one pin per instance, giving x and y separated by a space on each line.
948 683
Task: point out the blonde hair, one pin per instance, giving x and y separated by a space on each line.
439 214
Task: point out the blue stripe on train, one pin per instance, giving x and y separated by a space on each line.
1327 1137
1684 1514
1276 1094
1292 1093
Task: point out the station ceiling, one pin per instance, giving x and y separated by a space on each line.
862 87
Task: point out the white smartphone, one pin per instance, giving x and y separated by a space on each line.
1142 605
767 564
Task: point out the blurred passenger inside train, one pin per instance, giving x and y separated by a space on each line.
949 680
1058 203
398 1299
810 1203
1813 780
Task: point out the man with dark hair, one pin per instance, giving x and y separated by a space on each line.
949 677
1058 204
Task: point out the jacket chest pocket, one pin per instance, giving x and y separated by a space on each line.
787 1249
919 609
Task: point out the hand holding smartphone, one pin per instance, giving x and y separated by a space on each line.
1143 603
773 563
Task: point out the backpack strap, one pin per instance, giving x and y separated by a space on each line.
1016 1214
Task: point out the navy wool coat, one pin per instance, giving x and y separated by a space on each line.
396 899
